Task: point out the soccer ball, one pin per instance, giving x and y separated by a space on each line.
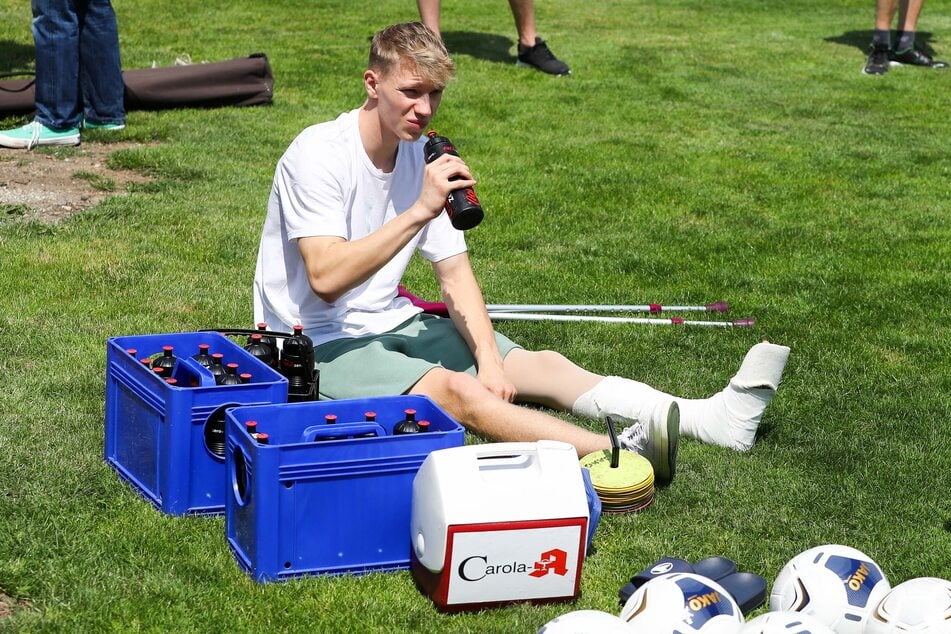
785 622
682 602
917 605
585 622
836 584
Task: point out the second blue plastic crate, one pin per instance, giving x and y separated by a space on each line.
304 505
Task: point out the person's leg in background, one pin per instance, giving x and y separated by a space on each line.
100 67
58 105
903 50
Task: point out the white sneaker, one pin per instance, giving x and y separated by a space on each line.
657 438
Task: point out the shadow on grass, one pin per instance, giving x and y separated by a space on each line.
14 58
487 46
862 39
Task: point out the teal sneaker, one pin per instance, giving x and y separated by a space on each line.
108 127
35 133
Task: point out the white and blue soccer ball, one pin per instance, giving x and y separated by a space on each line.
838 585
585 622
682 602
785 622
917 606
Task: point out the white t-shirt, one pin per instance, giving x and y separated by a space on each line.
326 185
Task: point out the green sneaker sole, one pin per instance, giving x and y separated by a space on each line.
663 444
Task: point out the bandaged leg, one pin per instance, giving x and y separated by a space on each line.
649 418
730 417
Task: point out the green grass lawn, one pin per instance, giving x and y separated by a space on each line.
699 152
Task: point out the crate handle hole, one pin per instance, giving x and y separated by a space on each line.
240 476
215 431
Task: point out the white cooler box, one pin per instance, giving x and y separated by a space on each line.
499 523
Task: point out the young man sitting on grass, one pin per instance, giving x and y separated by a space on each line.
353 198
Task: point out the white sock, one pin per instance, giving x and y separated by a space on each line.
730 417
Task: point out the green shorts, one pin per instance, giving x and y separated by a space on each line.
392 363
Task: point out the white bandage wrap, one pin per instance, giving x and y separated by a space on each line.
624 400
731 417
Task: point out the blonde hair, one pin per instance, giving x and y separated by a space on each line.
415 44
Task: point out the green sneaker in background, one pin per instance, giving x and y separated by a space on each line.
109 127
35 133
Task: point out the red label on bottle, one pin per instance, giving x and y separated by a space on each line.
471 196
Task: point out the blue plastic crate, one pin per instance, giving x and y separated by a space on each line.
161 438
303 506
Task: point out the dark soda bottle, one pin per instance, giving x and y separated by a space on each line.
462 205
331 419
368 417
166 360
231 375
297 364
408 425
258 350
245 377
270 342
203 358
252 427
424 426
217 367
262 438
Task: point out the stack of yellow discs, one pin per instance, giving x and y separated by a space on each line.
627 487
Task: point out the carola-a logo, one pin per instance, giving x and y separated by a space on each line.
555 561
477 567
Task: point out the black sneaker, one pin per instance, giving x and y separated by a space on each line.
914 57
877 63
541 58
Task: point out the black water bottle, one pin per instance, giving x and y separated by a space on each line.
271 342
230 376
217 367
408 425
203 358
166 360
462 205
260 350
297 364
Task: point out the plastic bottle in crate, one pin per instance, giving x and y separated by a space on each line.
259 350
408 425
331 419
230 376
297 364
217 367
166 360
271 343
203 357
